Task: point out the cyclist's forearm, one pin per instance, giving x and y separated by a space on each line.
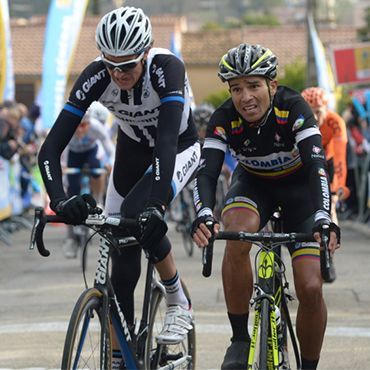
49 164
206 181
51 151
315 165
165 151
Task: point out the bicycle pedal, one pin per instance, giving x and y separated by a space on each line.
290 297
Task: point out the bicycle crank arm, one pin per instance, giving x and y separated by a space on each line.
176 363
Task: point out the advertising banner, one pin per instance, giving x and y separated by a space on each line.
61 36
351 64
7 84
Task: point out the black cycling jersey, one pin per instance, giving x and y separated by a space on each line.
159 102
285 149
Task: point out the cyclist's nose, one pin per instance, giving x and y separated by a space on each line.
246 95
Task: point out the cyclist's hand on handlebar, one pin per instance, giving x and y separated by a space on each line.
334 241
201 233
151 224
74 208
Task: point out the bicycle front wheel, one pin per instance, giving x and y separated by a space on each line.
82 247
261 355
88 340
157 355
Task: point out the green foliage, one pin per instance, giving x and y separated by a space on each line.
262 20
364 32
295 75
264 5
211 26
218 98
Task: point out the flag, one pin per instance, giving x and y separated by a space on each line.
325 77
61 36
7 85
175 48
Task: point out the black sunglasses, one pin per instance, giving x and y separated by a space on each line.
122 66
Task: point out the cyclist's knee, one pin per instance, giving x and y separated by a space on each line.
309 287
159 252
241 220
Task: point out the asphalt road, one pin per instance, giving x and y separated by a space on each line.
37 296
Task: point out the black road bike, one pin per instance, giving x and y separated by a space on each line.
88 342
273 333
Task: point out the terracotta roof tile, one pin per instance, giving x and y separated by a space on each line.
199 48
287 43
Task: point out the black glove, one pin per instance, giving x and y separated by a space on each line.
74 208
317 227
151 224
210 221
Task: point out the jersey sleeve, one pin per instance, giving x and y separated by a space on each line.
308 139
168 79
87 89
213 155
314 162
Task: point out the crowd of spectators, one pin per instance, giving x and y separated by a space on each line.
20 140
19 144
358 154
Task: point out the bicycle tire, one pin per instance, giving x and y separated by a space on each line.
84 339
287 327
160 355
82 246
264 335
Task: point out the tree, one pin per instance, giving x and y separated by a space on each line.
295 75
218 98
259 20
364 32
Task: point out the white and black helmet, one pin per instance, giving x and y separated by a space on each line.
202 114
248 60
124 31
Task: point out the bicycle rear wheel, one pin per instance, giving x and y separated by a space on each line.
157 355
288 340
87 344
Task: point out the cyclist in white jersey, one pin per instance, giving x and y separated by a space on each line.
157 152
91 145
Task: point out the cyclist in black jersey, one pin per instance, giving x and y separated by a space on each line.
272 132
157 152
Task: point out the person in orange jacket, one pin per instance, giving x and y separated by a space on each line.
334 140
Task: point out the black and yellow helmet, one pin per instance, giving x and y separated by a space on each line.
248 60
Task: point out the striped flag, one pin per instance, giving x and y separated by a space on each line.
325 77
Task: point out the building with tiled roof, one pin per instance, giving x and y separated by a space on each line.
201 50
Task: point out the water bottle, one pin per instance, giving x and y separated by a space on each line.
277 317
